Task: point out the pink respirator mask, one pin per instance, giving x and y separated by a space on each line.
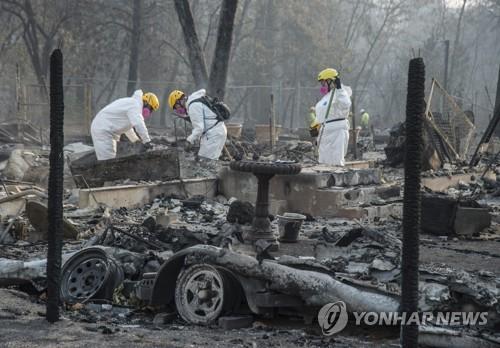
324 90
181 111
146 113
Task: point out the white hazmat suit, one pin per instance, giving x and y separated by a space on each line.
211 133
119 117
334 135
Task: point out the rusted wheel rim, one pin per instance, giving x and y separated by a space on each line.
89 273
199 294
87 278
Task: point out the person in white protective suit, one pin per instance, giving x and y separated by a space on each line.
207 129
121 117
333 136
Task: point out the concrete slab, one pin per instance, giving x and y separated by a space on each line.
443 183
131 196
244 185
317 190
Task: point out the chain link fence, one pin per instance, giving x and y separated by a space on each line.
250 105
83 98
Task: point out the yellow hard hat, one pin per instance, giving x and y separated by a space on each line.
152 100
174 97
328 73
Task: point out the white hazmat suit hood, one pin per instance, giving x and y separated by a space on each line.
119 117
211 133
334 135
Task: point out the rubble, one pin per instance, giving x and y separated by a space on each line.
151 226
241 212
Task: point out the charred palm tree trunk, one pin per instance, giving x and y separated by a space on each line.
415 106
55 211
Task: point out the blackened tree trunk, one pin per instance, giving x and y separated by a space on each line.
415 107
220 63
135 41
56 187
195 54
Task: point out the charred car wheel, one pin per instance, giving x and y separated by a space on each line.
204 292
90 273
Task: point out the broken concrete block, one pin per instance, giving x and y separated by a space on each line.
470 221
231 323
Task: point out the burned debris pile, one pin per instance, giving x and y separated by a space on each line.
141 257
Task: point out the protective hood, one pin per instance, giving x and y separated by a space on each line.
138 96
195 95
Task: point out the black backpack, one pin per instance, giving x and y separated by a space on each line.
219 108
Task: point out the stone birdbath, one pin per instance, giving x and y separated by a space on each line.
264 171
